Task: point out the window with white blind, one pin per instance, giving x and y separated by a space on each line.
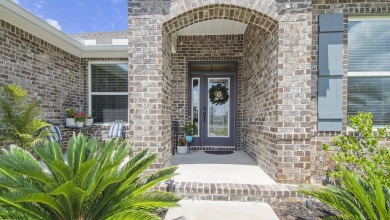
108 94
369 67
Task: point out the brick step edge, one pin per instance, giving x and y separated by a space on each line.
235 192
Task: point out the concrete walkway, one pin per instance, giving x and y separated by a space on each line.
208 168
215 210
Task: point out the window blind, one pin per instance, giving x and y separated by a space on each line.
369 46
108 108
109 78
370 94
109 87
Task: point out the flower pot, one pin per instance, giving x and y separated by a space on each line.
189 138
182 150
79 124
70 122
88 122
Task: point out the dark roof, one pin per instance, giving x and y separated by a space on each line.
101 37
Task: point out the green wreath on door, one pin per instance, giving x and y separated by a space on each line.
218 94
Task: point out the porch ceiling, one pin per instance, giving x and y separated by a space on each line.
214 27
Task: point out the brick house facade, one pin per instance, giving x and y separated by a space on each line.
277 74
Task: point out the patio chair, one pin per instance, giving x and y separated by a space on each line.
117 129
55 131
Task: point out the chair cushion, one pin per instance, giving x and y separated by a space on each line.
115 130
56 133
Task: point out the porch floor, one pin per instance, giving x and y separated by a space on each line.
237 168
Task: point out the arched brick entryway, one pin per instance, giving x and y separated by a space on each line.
275 75
221 11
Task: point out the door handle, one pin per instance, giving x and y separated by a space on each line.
204 117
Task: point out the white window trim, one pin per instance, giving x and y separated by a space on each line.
368 73
368 18
90 93
192 101
365 74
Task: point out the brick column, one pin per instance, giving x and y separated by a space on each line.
293 149
149 81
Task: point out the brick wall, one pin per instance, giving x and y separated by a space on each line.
58 78
257 97
346 7
149 84
46 71
200 48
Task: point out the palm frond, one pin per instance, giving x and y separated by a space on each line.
95 181
20 117
356 197
132 214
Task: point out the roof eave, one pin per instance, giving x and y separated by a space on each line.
21 18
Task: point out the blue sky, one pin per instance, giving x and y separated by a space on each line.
80 16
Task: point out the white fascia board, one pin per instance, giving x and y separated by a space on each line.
23 19
105 51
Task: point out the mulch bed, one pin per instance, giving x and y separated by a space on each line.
299 211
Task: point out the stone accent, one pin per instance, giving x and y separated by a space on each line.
320 158
235 192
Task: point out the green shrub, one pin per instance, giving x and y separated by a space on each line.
94 181
363 149
19 122
362 172
360 198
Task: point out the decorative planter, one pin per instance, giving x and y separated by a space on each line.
182 150
79 124
88 122
70 122
189 138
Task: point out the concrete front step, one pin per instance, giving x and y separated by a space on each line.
235 192
211 210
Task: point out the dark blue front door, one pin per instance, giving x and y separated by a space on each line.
216 122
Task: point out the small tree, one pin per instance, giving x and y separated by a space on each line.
364 149
20 123
363 173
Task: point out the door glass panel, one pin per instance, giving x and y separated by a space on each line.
195 103
218 115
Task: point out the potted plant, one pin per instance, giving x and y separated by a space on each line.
70 122
89 120
189 129
182 146
80 118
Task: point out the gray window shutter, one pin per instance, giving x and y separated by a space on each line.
330 72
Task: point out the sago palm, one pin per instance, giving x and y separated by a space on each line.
357 197
95 181
19 122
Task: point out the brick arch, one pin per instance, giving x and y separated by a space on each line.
221 11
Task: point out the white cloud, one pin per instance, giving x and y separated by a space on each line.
39 4
16 1
53 23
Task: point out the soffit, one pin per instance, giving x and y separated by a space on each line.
214 27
